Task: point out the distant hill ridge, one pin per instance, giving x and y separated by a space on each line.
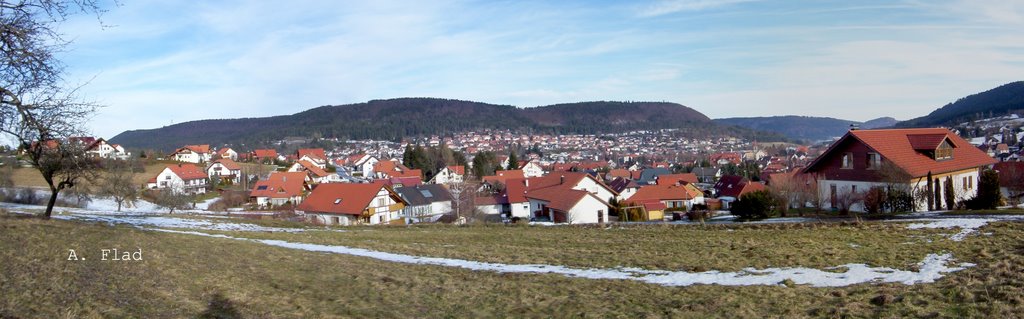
394 119
805 128
999 101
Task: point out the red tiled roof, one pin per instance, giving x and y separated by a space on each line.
265 153
344 198
281 185
900 146
312 152
620 172
201 148
675 178
223 151
502 176
187 171
662 192
228 163
559 198
312 168
457 169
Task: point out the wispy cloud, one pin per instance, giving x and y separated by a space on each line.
664 7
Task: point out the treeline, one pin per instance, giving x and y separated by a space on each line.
431 160
995 102
396 119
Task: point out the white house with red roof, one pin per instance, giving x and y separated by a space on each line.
353 203
316 173
226 170
181 179
227 152
531 169
361 165
193 154
317 156
857 161
563 197
449 174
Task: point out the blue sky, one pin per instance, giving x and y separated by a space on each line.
164 62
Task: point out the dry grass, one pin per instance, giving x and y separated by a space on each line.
684 247
29 177
185 276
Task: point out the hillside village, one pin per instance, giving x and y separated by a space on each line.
503 176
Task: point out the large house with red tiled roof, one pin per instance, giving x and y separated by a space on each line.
449 174
225 170
264 155
316 173
227 152
280 188
567 197
392 168
361 165
733 186
681 195
351 203
862 159
316 156
502 176
181 179
193 154
99 148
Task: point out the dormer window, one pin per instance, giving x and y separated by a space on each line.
944 151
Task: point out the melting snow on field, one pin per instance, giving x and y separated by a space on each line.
174 222
931 268
967 225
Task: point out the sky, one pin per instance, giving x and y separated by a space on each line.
153 63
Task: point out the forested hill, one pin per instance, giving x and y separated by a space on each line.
394 119
995 102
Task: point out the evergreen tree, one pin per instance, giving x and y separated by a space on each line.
513 161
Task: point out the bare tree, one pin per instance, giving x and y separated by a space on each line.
168 198
117 183
35 107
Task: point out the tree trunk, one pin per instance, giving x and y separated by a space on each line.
52 202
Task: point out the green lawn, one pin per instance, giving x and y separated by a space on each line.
187 275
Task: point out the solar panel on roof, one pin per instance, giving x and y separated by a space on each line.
261 187
426 193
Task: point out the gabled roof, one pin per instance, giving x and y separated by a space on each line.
281 185
676 178
502 176
620 184
647 175
228 163
418 195
187 171
311 152
457 169
736 186
223 150
313 169
619 172
344 198
265 153
903 148
560 198
666 192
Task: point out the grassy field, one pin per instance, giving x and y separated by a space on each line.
29 177
190 276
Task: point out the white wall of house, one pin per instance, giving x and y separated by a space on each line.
230 153
489 209
961 189
521 210
627 193
321 163
331 219
591 186
382 213
217 169
446 176
586 211
426 213
188 157
168 180
531 169
365 166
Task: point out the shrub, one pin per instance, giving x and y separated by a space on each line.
898 200
754 205
988 192
948 193
875 200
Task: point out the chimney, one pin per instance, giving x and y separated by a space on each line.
561 180
854 126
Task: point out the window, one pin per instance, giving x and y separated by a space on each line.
874 161
944 152
426 193
381 202
847 160
853 189
963 183
970 182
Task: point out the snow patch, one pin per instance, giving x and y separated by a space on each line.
174 222
933 267
966 225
